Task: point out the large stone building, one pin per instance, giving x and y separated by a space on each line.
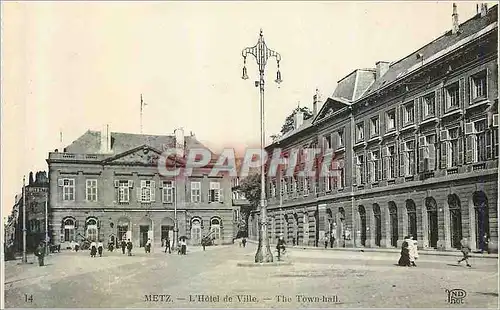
108 186
415 144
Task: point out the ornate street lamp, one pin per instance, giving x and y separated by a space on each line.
262 53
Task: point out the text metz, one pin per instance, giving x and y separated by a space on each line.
158 298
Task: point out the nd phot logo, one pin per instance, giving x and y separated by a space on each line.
456 296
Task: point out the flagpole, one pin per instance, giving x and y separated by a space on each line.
142 102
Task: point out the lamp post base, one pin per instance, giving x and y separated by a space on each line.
264 254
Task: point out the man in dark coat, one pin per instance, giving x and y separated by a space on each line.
244 242
129 247
167 245
124 245
40 253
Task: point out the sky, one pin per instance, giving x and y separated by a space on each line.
73 66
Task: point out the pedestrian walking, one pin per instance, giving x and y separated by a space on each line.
280 246
147 248
483 245
332 240
326 241
129 247
93 249
183 246
411 250
404 260
167 245
100 247
465 252
204 242
40 253
244 242
414 252
124 245
77 246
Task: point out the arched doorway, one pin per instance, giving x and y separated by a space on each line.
285 227
69 228
305 228
432 221
411 210
455 220
480 202
295 237
167 229
330 230
393 220
341 228
378 224
123 232
91 229
316 228
196 228
145 231
362 224
216 229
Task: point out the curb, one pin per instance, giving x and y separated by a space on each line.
394 251
273 264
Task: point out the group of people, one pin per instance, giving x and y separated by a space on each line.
181 246
95 248
409 252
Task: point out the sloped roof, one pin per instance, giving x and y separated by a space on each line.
305 124
400 68
90 142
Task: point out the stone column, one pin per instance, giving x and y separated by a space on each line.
472 225
386 227
370 227
444 241
423 225
323 221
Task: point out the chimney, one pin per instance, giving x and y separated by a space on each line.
179 139
61 143
105 140
299 119
381 68
316 100
454 18
484 9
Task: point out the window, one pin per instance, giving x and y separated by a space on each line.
147 191
427 153
215 192
478 85
452 96
340 134
374 168
407 158
283 189
429 105
168 191
453 145
68 189
306 186
337 179
196 192
328 142
92 229
360 135
273 188
389 162
69 230
374 127
408 113
478 142
123 191
360 170
391 120
91 189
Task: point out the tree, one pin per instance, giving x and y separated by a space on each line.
288 125
251 188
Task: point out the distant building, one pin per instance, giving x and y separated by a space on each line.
107 186
36 196
415 144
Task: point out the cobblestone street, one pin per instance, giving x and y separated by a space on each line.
323 278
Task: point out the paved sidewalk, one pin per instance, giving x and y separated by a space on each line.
453 252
